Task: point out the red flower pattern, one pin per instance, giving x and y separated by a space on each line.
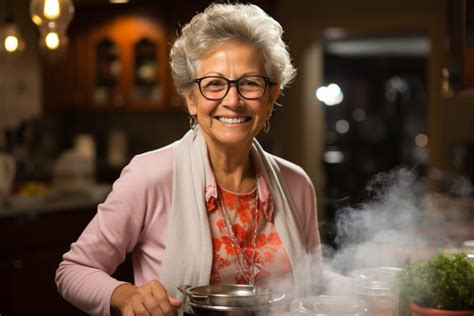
274 239
239 233
220 224
211 205
266 251
216 245
261 240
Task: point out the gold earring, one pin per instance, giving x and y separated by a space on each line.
266 126
192 122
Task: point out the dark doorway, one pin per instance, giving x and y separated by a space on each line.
380 123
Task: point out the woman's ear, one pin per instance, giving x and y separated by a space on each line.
190 104
274 92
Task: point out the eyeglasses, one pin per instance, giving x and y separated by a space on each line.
216 88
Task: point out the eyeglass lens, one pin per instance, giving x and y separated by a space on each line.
249 87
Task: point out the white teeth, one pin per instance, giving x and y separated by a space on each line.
232 120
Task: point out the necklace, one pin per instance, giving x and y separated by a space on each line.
245 265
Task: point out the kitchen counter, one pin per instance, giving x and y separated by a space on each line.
34 234
56 201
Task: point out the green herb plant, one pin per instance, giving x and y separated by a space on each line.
441 283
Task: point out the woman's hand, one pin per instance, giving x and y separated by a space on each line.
149 299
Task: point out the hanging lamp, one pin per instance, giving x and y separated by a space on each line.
52 18
11 40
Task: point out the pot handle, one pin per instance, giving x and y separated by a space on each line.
204 299
184 289
276 300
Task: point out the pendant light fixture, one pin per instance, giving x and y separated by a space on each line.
52 18
11 41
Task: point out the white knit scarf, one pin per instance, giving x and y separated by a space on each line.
188 254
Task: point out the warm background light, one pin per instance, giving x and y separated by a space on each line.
333 156
330 95
37 20
52 18
342 126
51 9
52 40
11 44
11 40
421 140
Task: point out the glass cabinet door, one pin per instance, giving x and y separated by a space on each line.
146 85
107 72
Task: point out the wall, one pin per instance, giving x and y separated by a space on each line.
293 133
19 74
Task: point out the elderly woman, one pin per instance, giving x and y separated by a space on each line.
213 207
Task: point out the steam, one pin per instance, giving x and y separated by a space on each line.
403 220
385 230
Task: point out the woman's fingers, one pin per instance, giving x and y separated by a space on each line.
135 308
175 303
151 299
162 298
152 305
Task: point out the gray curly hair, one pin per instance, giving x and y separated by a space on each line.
221 22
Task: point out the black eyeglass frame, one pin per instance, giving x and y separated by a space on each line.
236 82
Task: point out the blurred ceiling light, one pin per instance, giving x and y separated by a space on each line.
52 40
421 140
118 1
359 115
52 18
333 156
11 43
11 40
51 9
342 126
53 46
397 83
330 95
394 86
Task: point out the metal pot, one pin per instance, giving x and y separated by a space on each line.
231 299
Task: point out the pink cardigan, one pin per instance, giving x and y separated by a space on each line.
135 217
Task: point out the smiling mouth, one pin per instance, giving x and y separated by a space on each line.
233 120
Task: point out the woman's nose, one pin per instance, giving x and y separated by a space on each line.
232 97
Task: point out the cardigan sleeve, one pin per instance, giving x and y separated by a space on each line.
83 277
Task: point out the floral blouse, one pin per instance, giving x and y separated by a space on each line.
259 250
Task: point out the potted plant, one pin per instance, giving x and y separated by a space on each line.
440 286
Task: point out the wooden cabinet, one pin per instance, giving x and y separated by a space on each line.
116 60
128 64
31 248
461 36
118 57
467 43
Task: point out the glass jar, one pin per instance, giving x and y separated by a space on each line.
468 248
375 287
324 305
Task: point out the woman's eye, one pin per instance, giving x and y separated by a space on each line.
215 84
249 83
